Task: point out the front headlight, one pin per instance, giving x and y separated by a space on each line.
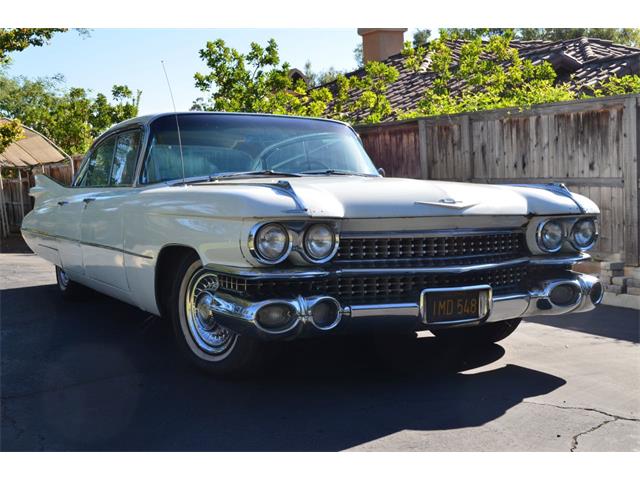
550 236
583 234
319 242
271 243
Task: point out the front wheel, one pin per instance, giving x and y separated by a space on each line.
200 337
479 335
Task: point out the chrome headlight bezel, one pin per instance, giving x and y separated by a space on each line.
305 250
255 239
540 232
594 238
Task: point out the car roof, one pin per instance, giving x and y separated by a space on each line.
147 119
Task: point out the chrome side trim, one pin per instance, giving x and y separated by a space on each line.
89 244
301 273
447 269
431 233
560 260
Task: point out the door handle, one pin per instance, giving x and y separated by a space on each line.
62 202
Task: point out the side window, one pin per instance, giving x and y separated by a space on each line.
124 160
99 165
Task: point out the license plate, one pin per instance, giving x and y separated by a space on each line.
455 305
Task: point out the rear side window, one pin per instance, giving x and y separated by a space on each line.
124 160
99 165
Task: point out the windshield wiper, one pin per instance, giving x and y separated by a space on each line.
250 173
257 173
331 171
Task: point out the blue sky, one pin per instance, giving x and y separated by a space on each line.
132 57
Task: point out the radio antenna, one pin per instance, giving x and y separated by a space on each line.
175 112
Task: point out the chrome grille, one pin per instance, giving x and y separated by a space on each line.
433 250
232 284
371 289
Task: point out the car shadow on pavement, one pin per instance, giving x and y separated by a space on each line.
100 375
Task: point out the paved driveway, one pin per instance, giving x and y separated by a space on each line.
100 375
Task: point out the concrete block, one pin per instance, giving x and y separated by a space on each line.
633 282
605 279
624 301
622 281
613 265
635 273
617 289
633 290
614 273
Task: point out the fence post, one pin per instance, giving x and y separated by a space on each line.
422 138
630 172
21 195
467 146
3 209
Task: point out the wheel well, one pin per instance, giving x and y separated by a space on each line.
168 261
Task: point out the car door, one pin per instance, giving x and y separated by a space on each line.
102 224
70 208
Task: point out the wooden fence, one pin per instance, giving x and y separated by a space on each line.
17 201
590 145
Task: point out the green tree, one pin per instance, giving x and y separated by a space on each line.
258 82
624 36
71 117
10 131
421 37
488 74
254 82
372 88
624 85
316 79
17 39
358 55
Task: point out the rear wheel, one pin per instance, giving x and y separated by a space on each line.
69 289
200 337
479 335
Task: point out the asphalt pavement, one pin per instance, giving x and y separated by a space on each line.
101 375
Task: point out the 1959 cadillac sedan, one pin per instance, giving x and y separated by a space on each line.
242 228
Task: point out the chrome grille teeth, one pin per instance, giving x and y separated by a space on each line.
425 248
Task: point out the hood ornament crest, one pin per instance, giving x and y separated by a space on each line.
448 203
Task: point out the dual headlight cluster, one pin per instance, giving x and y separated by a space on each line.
581 234
273 242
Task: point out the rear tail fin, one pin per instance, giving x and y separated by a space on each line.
46 187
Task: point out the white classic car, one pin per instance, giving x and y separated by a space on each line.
241 228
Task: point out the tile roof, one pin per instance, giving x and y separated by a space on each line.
582 62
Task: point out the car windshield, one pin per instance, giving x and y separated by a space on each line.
225 144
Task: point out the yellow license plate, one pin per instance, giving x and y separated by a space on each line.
454 305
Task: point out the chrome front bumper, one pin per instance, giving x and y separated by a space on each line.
241 315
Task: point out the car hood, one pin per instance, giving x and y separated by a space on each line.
379 197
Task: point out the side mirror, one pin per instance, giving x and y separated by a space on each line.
382 172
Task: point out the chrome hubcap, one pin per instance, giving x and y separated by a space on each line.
210 336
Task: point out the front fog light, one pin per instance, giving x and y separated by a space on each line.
550 236
583 234
275 316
